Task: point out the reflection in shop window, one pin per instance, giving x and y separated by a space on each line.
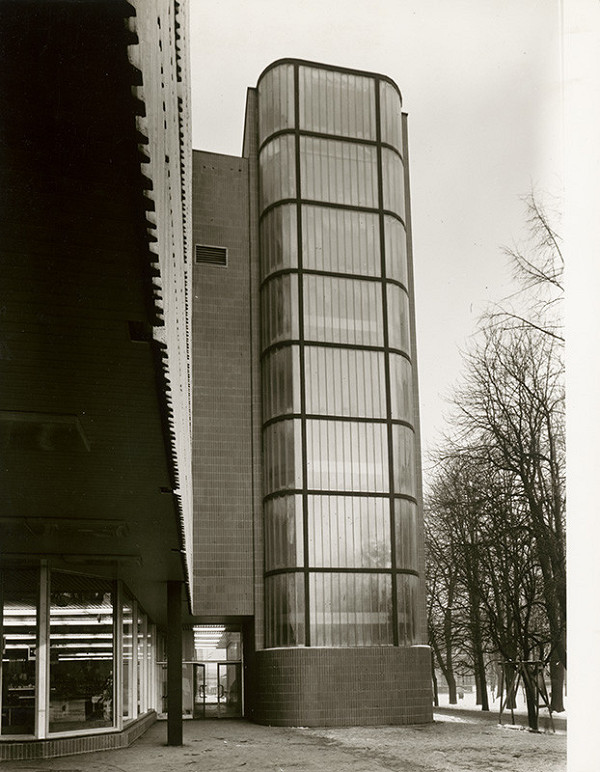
19 626
81 652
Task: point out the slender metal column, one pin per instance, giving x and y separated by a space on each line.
42 660
174 665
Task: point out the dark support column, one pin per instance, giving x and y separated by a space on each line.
174 666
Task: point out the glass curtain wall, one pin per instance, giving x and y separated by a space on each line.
340 509
60 646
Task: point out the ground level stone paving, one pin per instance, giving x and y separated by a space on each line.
453 743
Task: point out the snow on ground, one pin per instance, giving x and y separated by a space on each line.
459 742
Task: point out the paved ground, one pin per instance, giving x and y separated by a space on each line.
455 742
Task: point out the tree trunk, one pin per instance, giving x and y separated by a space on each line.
557 682
451 680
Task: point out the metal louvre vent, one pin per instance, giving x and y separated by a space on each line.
211 255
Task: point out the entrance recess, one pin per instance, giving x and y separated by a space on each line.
212 682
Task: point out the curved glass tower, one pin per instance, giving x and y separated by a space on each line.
339 446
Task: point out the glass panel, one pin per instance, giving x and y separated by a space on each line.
393 182
348 532
401 388
350 609
404 460
21 589
281 382
337 103
141 663
284 543
346 456
345 382
279 309
276 100
343 311
406 534
127 685
398 318
340 241
391 115
81 652
407 608
282 456
396 261
338 172
277 170
284 610
278 239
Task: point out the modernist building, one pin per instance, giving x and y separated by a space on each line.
95 449
307 519
281 330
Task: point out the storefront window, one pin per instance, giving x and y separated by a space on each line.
20 589
81 652
128 667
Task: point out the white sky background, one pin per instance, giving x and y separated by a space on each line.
480 81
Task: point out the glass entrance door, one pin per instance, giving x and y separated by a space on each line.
218 690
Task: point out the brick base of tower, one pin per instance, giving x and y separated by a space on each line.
342 686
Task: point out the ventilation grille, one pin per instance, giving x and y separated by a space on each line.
211 255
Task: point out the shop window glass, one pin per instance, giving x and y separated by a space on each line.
281 382
401 388
81 652
345 382
396 259
346 456
340 241
343 311
284 543
279 309
350 609
128 652
278 239
349 532
398 318
391 115
277 164
404 460
282 456
393 182
337 103
20 589
284 610
338 172
406 534
407 585
276 100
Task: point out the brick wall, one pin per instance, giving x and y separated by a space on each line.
342 687
222 391
69 746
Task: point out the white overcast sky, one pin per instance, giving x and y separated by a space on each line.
481 83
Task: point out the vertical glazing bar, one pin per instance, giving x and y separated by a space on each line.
118 655
390 439
42 660
174 665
